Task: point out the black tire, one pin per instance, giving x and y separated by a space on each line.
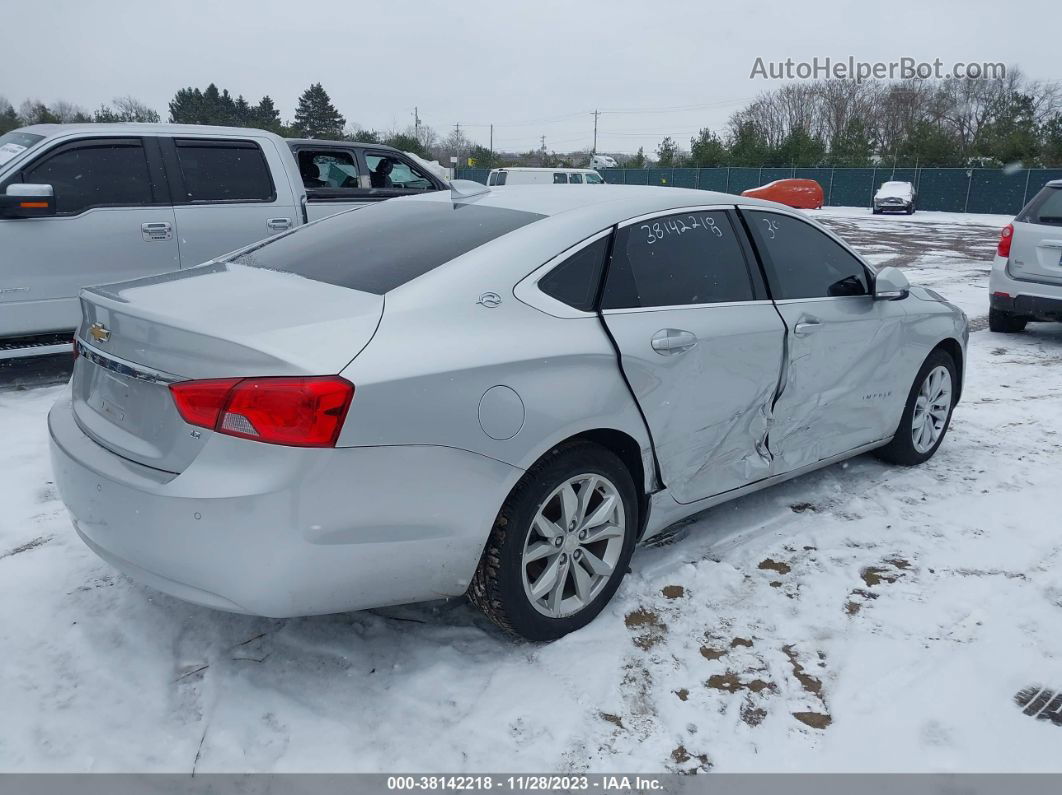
1004 322
876 211
497 588
901 449
910 210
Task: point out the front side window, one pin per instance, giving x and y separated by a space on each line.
104 174
576 178
560 179
575 281
217 171
802 261
594 179
390 172
677 260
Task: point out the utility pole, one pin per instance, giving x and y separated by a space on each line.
416 123
596 114
490 159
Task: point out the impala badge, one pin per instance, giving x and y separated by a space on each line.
489 300
99 332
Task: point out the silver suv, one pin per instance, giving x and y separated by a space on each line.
1026 281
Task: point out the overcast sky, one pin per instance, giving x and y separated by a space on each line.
653 68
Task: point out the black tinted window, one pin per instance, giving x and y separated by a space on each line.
802 262
578 178
95 175
378 248
215 172
676 260
1045 208
575 281
327 168
560 179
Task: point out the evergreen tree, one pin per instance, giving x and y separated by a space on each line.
186 107
265 116
748 147
316 117
1012 135
853 146
8 118
1050 147
707 150
800 149
242 112
408 143
667 154
638 161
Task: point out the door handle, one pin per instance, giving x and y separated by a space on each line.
279 224
156 230
806 327
669 341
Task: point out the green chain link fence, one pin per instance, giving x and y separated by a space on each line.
973 190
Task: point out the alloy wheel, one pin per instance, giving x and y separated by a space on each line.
573 545
931 409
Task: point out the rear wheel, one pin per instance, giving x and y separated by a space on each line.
560 545
1005 322
927 415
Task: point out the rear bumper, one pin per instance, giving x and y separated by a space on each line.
279 531
1035 300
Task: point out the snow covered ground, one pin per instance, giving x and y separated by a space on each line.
860 618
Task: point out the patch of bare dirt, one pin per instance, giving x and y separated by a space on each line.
40 541
730 683
683 694
774 565
615 720
811 684
681 756
648 626
673 591
752 715
815 720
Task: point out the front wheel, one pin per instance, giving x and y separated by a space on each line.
560 545
927 415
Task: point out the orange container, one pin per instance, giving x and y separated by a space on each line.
804 194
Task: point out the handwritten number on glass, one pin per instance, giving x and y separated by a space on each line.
772 227
675 226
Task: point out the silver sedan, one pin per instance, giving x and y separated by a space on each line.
494 392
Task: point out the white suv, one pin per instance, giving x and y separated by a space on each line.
1026 281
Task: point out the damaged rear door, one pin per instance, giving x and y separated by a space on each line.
700 344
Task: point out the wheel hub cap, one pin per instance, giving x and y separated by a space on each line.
931 409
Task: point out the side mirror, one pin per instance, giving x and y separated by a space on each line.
891 285
23 200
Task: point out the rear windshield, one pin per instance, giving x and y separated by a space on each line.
15 143
379 248
1045 208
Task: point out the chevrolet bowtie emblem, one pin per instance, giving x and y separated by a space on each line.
99 332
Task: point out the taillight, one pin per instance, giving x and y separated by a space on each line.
1006 237
299 412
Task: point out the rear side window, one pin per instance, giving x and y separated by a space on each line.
499 178
1045 208
803 262
577 178
216 171
327 168
677 260
575 281
104 174
560 179
379 248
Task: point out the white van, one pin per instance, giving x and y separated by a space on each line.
544 176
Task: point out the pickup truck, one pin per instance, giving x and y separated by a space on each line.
93 204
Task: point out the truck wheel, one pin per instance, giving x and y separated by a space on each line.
1005 322
560 545
927 415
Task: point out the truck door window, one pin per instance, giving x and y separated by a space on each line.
327 168
560 179
103 174
224 171
390 172
576 178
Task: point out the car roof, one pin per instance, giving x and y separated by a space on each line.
620 201
132 127
1055 183
338 144
536 168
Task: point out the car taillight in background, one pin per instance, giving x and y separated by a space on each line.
294 411
1006 237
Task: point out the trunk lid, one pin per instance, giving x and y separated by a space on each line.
216 321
